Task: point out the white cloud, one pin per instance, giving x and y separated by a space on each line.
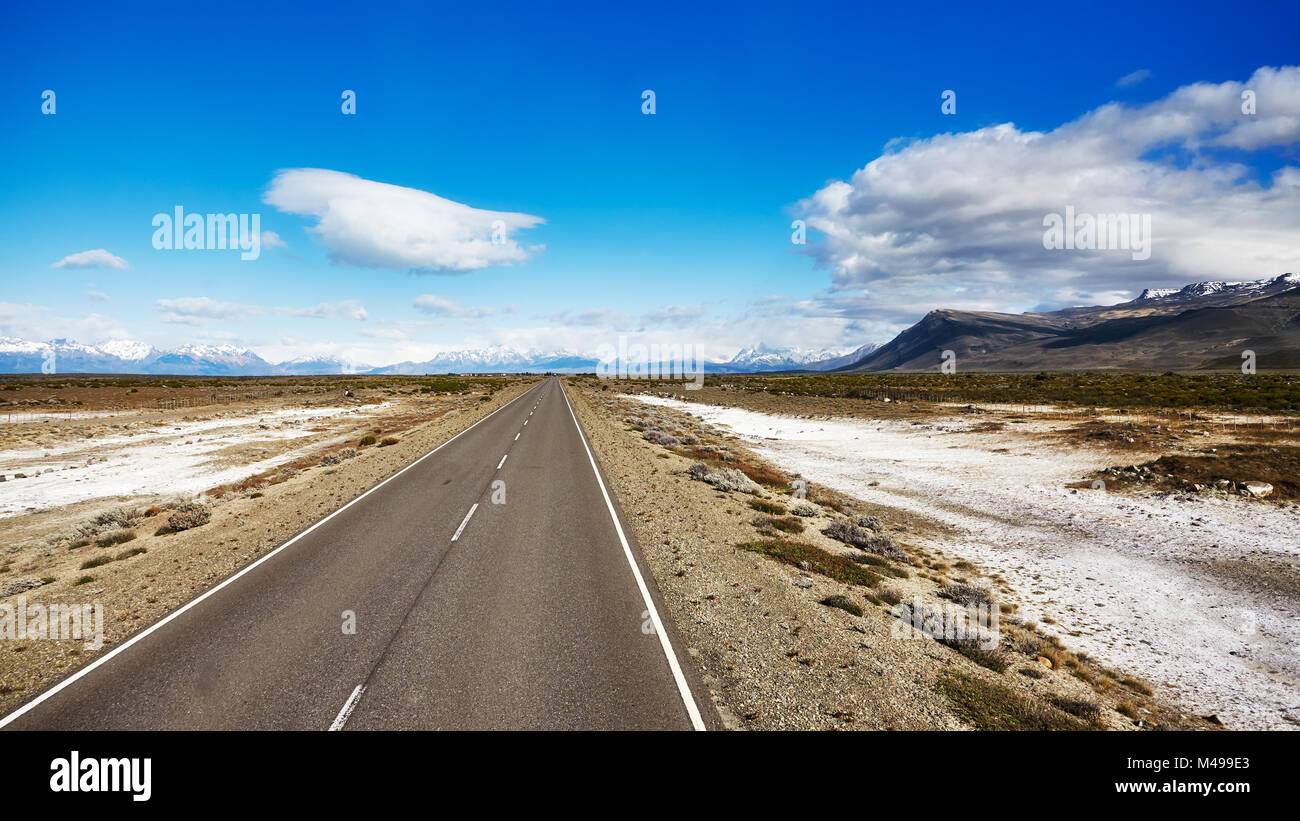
435 305
271 239
956 220
1134 78
377 225
97 296
98 258
188 310
347 309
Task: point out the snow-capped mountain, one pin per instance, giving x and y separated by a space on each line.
762 358
1226 290
127 356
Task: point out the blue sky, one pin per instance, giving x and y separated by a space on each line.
675 224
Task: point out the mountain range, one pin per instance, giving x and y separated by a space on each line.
1203 325
124 356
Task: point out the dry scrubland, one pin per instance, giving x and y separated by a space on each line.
786 603
300 448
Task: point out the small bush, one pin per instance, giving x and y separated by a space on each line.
864 540
98 561
188 515
805 509
329 459
83 580
1031 672
870 523
815 560
843 603
126 554
991 706
116 537
388 440
1078 707
366 440
660 438
348 453
967 595
788 524
889 594
766 507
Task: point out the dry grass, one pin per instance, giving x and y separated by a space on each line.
814 560
991 706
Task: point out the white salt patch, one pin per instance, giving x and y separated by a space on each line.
1127 572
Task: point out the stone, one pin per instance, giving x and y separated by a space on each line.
1258 489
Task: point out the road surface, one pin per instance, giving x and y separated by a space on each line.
493 587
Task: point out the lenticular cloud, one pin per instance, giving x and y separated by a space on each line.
377 225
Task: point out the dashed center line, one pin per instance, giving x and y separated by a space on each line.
348 707
502 462
461 529
516 437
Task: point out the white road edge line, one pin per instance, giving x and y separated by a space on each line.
465 521
342 717
684 689
6 720
502 462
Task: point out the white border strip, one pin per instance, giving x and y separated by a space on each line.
697 721
5 721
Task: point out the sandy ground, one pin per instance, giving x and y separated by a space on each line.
136 591
1200 595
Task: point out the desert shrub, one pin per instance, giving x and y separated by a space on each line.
788 524
98 561
347 453
1078 707
814 560
366 440
329 459
889 594
843 603
870 523
388 440
724 479
967 595
83 580
991 706
805 509
188 515
116 537
1031 672
763 506
660 438
126 554
864 540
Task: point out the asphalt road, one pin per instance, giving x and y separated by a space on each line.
520 605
